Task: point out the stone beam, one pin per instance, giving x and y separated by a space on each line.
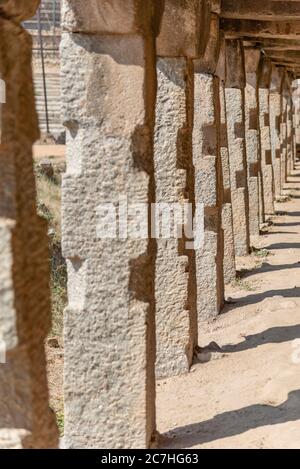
262 29
276 44
261 10
292 55
111 16
184 28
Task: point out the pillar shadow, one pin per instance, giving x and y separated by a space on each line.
283 246
285 224
273 335
265 233
258 297
236 422
266 267
293 214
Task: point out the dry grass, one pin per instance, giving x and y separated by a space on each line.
49 207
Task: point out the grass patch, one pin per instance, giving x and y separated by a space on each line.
60 422
49 208
260 252
242 284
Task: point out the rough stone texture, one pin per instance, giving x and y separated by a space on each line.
208 192
184 28
275 115
265 135
229 267
234 93
175 287
252 57
283 139
262 29
108 88
290 152
296 98
260 11
111 16
25 418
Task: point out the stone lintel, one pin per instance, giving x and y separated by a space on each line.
267 10
285 54
112 16
252 59
209 62
261 29
184 29
265 69
277 77
221 66
235 72
216 6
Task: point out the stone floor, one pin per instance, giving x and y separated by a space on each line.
248 394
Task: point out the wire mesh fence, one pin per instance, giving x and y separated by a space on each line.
48 19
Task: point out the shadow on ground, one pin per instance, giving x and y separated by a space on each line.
234 422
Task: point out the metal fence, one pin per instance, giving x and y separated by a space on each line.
45 30
47 19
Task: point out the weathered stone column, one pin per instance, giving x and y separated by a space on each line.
229 267
295 118
283 135
277 76
252 58
290 147
25 418
109 78
265 135
297 113
175 287
235 100
208 177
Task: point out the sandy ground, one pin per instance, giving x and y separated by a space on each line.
248 394
49 152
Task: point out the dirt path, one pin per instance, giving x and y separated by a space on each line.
248 394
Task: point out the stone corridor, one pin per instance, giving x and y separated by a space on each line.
187 105
252 378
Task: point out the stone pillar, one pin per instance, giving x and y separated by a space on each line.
277 76
108 85
235 100
208 178
229 267
297 113
290 147
295 119
25 418
252 58
283 135
175 272
265 135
